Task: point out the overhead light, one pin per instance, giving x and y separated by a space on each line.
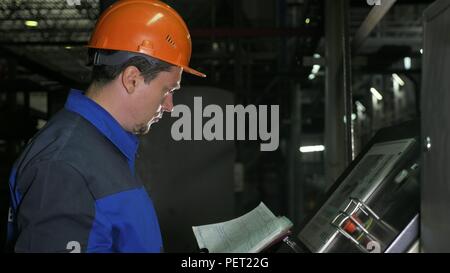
316 55
312 149
315 69
360 107
31 23
307 20
428 141
421 51
311 76
407 63
68 47
398 79
354 117
215 46
376 94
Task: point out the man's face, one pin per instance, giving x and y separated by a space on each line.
153 99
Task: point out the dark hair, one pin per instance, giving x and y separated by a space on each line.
149 67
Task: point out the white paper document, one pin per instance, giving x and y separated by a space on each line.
249 233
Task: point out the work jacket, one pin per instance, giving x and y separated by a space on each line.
74 188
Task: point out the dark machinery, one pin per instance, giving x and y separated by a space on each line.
374 205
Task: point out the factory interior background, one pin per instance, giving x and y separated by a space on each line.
324 62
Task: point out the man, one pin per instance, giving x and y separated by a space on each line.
74 188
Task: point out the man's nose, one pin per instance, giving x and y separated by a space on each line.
167 105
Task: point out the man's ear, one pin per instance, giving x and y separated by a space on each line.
131 78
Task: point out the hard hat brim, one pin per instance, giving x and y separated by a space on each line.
194 72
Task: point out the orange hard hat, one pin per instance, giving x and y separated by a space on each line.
148 27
